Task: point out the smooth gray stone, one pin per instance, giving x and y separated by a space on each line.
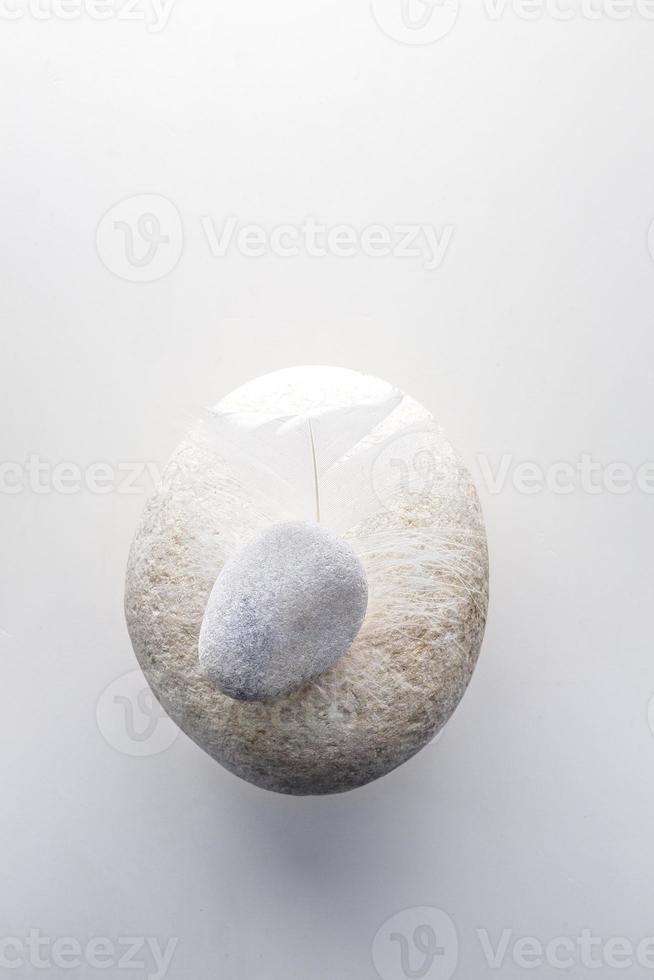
283 610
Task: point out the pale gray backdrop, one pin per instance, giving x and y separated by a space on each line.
523 138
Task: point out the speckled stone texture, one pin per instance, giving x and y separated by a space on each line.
282 611
396 491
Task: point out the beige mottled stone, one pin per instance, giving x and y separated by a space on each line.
407 506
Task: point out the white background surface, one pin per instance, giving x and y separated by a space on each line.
534 141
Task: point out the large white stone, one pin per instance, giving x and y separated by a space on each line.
375 468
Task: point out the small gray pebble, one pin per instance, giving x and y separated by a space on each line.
282 610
